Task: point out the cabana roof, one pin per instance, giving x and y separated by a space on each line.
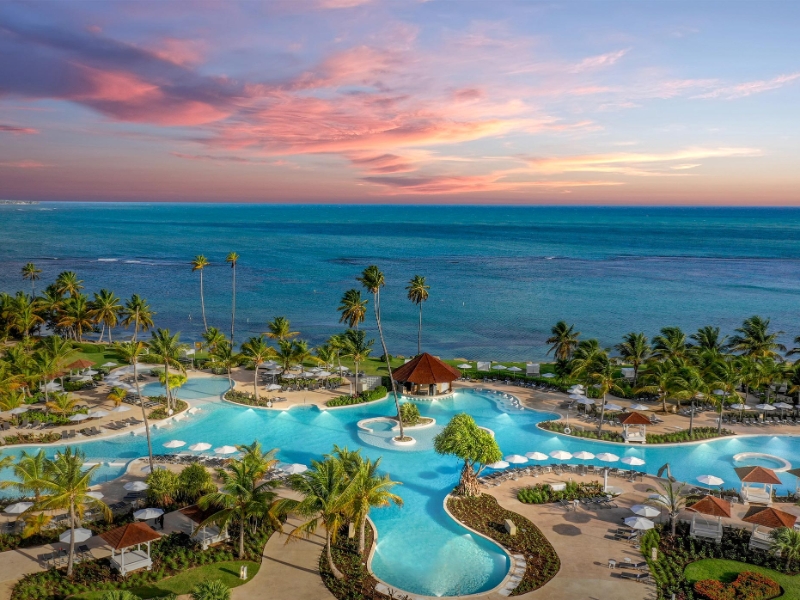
712 506
129 535
197 514
80 364
635 418
769 517
757 475
426 369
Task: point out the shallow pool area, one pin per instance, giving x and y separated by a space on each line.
194 389
420 549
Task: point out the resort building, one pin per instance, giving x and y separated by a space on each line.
426 375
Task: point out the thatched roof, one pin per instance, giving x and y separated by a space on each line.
130 535
769 517
635 418
757 475
426 369
712 506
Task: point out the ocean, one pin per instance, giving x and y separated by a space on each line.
500 276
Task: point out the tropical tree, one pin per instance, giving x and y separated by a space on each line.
356 346
211 590
726 376
32 273
49 305
26 318
163 488
29 473
199 263
563 339
117 395
670 496
373 280
65 486
418 293
462 438
67 282
130 352
35 524
372 491
353 308
11 399
786 544
137 312
689 384
77 316
232 259
754 339
670 343
194 481
258 460
166 347
105 309
708 338
634 350
280 329
257 350
213 337
327 354
61 404
657 380
285 353
224 356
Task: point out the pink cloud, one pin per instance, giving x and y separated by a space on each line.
14 130
749 88
179 52
599 61
22 164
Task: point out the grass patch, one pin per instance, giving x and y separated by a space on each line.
727 570
228 572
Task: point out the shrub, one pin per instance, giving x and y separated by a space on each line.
211 590
747 586
542 493
193 482
119 595
163 488
409 412
369 396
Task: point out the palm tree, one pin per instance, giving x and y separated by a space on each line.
66 487
240 498
106 309
67 282
285 353
603 375
564 340
327 494
280 329
49 305
753 339
26 318
372 491
77 316
634 350
130 353
137 312
11 400
670 343
418 293
167 348
373 280
232 258
257 350
224 356
327 354
28 474
259 461
31 272
657 379
356 346
62 404
213 337
708 338
670 497
352 308
690 385
786 544
117 395
199 263
727 376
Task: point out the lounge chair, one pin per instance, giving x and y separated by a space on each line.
638 576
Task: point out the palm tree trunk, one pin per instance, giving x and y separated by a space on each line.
355 391
102 333
144 416
109 334
419 331
602 413
166 384
255 384
336 572
241 539
71 560
233 305
388 362
203 301
673 520
362 535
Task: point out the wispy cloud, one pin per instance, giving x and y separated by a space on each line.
748 88
14 130
599 61
22 164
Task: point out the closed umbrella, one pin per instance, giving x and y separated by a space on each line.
583 455
633 461
17 508
80 535
174 444
710 480
78 417
500 464
199 447
135 486
148 513
639 523
560 455
644 510
536 456
516 459
225 450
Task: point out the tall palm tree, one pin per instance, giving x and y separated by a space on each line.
372 491
373 280
727 376
26 318
137 312
199 263
105 309
690 385
670 496
327 494
708 338
257 350
167 348
418 293
564 340
67 282
224 356
49 305
130 352
240 498
356 346
66 487
259 461
77 316
213 337
353 308
786 544
28 473
280 329
285 353
754 339
657 380
634 350
32 273
327 354
232 259
670 343
603 376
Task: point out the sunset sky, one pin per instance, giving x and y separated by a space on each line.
415 102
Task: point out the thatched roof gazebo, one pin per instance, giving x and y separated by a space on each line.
426 375
769 518
757 484
712 507
126 537
631 420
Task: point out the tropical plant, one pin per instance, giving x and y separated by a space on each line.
708 338
372 491
11 400
280 329
32 273
257 350
61 403
232 259
35 524
356 346
130 352
657 379
105 309
418 293
786 544
754 339
77 316
137 312
26 318
117 395
119 595
162 487
602 373
634 350
563 339
194 481
224 356
29 473
462 438
167 348
670 496
353 308
670 343
199 263
67 282
213 337
211 590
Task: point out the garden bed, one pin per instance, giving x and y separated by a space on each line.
542 493
159 413
379 393
358 582
699 433
728 574
485 515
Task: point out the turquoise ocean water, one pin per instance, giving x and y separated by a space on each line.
500 276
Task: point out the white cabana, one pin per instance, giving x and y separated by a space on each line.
122 539
634 427
757 483
708 529
767 518
205 535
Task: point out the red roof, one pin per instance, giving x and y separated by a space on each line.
80 364
710 505
757 475
130 535
426 369
769 517
635 418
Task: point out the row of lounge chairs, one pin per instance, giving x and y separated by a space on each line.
117 425
590 502
761 423
132 399
498 477
61 556
188 459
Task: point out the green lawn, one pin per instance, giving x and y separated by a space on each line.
99 356
228 572
727 570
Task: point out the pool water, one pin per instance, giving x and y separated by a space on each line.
760 461
377 426
420 549
194 389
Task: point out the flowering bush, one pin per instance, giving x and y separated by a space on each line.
747 586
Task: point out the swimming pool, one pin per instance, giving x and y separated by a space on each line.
420 549
194 389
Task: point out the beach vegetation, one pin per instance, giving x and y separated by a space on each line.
476 447
418 292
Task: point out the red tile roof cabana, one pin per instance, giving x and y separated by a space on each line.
751 478
712 507
126 537
769 518
631 420
426 375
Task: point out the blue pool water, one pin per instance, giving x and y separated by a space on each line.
420 549
193 389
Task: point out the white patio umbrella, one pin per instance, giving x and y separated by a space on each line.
783 405
719 392
294 469
273 387
639 407
19 410
78 417
98 414
81 535
561 455
741 406
120 409
148 513
174 444
549 375
645 510
225 450
324 374
515 459
515 369
289 376
639 523
710 480
536 456
136 486
500 464
576 397
17 508
307 374
465 366
342 369
95 495
613 407
576 390
765 407
607 457
272 371
89 372
632 461
199 447
53 387
499 367
109 364
583 455
585 401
